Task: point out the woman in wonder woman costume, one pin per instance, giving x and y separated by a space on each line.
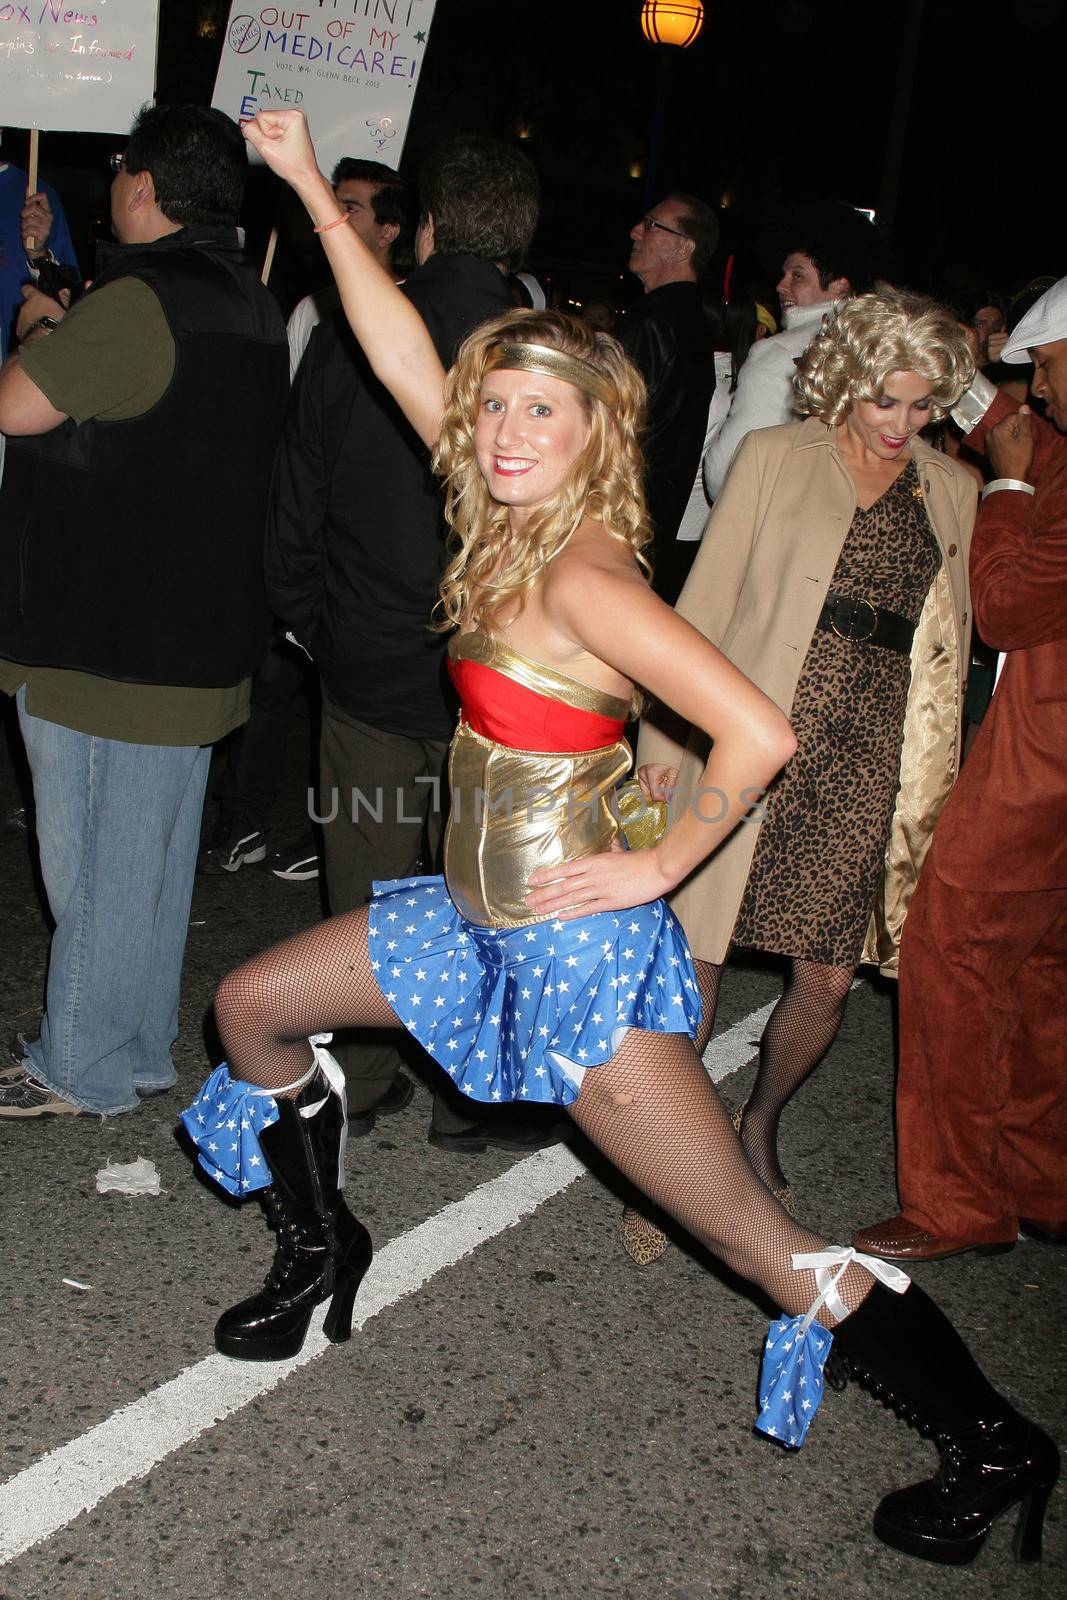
545 965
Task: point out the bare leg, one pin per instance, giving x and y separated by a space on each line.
316 981
655 1114
800 1030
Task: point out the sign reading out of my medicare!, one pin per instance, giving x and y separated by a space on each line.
350 65
76 68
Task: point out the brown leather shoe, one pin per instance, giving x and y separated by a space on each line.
1051 1231
899 1239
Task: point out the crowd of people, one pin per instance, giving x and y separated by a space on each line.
482 526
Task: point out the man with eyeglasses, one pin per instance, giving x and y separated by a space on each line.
142 425
668 337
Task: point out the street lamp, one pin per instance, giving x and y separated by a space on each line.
670 25
676 22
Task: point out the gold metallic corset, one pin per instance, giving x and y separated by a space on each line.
516 810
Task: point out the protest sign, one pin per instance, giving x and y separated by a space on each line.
351 66
76 68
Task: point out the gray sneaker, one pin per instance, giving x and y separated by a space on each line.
23 1096
16 1059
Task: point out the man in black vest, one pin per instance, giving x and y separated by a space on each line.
141 428
354 555
668 337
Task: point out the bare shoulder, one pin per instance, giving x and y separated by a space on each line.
593 569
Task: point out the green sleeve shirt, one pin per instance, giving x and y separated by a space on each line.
112 358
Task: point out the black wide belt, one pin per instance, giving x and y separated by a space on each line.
861 623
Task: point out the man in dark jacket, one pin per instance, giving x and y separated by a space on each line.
141 429
668 337
354 555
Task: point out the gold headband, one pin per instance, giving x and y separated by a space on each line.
554 364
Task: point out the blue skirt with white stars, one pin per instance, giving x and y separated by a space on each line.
522 1013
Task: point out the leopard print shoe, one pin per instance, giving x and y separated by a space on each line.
641 1239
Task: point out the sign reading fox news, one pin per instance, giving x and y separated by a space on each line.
77 68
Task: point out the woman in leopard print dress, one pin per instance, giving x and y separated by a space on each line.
833 572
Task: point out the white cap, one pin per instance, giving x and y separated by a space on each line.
533 289
1044 323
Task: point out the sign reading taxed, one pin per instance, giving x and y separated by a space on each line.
352 66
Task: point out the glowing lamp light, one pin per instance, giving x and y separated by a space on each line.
676 22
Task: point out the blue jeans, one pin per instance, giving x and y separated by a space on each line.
118 827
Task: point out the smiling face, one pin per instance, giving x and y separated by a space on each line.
531 431
1050 380
799 284
884 426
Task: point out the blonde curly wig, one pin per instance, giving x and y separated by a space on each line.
867 338
490 566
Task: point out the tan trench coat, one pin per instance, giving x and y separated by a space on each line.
756 590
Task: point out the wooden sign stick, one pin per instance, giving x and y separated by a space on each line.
268 259
31 186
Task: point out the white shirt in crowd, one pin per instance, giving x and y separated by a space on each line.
696 512
764 394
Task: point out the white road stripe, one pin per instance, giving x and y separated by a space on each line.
46 1496
732 1050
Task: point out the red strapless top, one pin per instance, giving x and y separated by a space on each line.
496 689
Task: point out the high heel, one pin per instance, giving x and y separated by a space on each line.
348 1275
641 1239
985 1471
992 1459
322 1250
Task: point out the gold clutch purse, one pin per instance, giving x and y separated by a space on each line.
643 821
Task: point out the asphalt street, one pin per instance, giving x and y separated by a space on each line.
521 1412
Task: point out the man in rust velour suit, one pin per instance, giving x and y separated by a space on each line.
982 1091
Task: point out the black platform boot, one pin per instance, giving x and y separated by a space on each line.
322 1249
905 1349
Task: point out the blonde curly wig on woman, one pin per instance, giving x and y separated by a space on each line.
490 566
873 335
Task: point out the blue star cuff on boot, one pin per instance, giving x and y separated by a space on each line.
791 1381
224 1122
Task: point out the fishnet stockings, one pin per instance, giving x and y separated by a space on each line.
652 1109
654 1112
709 976
317 980
800 1030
